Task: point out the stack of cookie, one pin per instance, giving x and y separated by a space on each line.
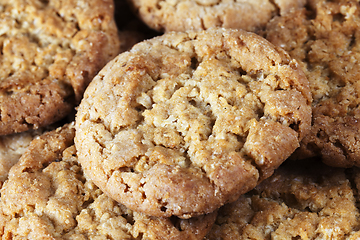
185 119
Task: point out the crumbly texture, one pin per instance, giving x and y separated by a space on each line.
3 220
50 51
181 15
299 201
185 122
47 196
325 39
12 147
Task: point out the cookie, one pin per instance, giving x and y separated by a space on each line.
324 38
184 15
12 146
301 201
187 121
47 196
50 51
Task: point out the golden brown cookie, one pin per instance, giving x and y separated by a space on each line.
185 122
50 51
181 15
324 38
299 201
47 196
12 146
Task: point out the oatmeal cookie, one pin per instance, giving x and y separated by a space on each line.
47 196
299 201
185 122
50 51
12 146
325 39
181 15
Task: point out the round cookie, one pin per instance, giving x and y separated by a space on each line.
47 196
185 122
301 200
324 38
181 15
50 51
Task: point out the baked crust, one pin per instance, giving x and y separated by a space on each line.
47 196
301 200
181 15
185 122
50 51
324 38
13 146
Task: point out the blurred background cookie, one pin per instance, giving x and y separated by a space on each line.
181 15
324 38
185 122
48 196
50 51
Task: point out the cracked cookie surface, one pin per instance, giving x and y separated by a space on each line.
185 122
301 200
47 196
181 15
50 51
325 39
